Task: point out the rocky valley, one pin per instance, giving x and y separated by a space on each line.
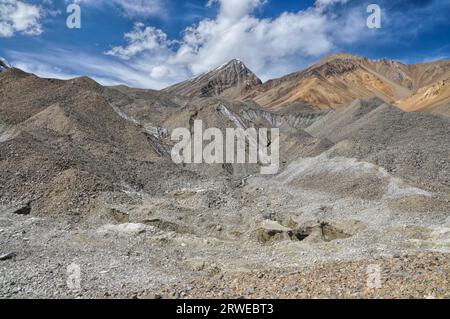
87 180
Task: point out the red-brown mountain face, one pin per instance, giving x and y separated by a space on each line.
342 78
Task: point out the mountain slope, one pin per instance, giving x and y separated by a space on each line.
231 80
342 78
428 98
332 82
62 141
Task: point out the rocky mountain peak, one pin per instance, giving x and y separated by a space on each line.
230 79
235 63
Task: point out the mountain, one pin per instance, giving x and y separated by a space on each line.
232 79
342 78
335 81
86 176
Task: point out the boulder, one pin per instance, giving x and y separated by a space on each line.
127 229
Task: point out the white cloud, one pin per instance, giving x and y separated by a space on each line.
141 39
19 17
271 47
236 9
258 42
160 72
66 64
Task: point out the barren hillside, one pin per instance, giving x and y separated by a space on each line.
87 178
342 78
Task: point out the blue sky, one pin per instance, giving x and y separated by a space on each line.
154 43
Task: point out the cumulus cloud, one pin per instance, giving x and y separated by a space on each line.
19 17
271 47
259 42
236 9
141 39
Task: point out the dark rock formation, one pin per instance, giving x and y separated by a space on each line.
230 80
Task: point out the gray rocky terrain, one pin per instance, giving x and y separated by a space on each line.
87 180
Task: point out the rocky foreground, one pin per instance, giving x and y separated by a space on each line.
139 262
419 276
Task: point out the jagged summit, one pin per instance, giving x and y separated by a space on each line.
234 62
231 79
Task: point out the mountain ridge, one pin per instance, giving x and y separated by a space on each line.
342 78
334 81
